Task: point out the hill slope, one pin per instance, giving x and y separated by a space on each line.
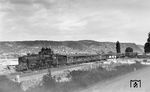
63 47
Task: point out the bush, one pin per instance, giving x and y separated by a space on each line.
7 85
128 50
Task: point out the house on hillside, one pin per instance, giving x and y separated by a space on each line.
110 57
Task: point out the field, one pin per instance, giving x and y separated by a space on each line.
81 77
84 79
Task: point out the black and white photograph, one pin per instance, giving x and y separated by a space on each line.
74 45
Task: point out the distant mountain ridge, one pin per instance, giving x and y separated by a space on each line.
64 47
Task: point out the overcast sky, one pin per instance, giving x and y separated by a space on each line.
100 20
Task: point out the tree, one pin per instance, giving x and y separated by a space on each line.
147 45
118 47
147 48
128 50
129 53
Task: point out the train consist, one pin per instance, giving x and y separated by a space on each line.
47 59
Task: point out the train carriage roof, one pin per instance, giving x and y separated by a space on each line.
81 55
76 55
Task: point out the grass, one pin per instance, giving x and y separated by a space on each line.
84 79
7 85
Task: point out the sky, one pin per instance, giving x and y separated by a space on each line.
59 20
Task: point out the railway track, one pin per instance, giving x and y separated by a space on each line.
40 73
